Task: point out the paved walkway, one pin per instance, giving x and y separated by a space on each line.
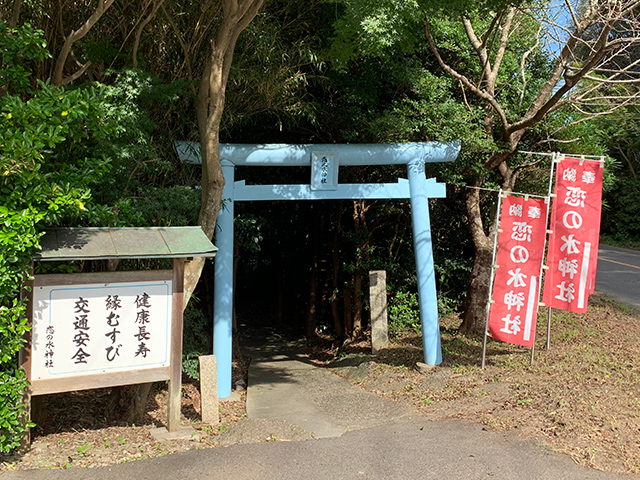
349 433
284 386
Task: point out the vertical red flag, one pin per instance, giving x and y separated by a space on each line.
572 257
516 287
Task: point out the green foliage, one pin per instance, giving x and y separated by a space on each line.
385 27
620 135
48 136
156 206
19 47
622 217
12 384
247 232
404 313
278 61
196 339
13 324
372 27
139 167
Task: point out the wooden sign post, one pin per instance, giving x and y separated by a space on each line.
97 330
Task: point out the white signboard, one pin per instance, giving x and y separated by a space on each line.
324 171
100 328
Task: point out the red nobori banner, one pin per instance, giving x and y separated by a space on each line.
572 257
516 286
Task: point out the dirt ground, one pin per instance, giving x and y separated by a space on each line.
75 432
581 397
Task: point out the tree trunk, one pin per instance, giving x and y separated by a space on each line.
237 14
359 305
129 402
478 286
282 285
348 308
312 305
475 313
137 409
338 327
310 319
363 237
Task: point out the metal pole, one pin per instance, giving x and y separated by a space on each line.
427 296
493 261
549 328
553 163
223 286
533 347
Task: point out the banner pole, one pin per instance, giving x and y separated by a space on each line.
493 269
553 164
533 348
549 328
548 202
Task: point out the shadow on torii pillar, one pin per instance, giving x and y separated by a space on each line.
325 161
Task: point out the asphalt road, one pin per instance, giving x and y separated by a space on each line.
618 274
415 449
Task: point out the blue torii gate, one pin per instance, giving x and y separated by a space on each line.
324 161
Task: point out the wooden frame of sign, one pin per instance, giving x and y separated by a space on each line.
75 310
170 370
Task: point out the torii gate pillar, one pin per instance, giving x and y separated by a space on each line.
427 297
223 286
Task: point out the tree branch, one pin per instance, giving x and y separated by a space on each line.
74 76
502 46
141 26
523 62
73 37
478 46
628 160
183 45
490 99
15 14
557 140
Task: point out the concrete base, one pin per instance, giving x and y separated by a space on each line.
423 367
186 432
234 397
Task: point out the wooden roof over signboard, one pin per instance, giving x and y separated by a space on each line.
101 243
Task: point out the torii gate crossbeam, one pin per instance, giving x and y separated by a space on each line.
417 188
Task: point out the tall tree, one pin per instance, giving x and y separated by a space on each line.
237 14
524 64
591 75
197 40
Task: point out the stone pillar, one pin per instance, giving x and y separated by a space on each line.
209 390
378 303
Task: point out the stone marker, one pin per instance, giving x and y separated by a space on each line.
378 302
209 390
423 367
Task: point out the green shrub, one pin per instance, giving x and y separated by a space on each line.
47 167
621 218
404 313
196 339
